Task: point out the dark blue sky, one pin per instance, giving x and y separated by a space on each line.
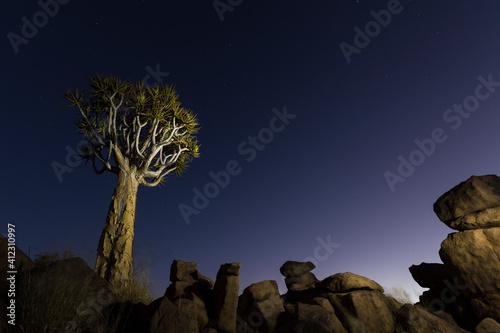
344 168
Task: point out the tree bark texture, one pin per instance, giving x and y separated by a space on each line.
114 252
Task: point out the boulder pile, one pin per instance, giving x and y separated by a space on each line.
467 285
463 291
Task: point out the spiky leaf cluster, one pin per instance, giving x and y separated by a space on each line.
132 126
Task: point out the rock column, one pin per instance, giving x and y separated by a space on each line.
225 297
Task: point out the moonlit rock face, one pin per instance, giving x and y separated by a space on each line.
488 325
475 194
346 282
229 269
473 256
487 218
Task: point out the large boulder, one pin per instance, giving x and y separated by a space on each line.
225 297
488 325
363 311
192 313
183 271
446 317
428 275
487 218
186 279
296 268
312 318
473 257
298 275
258 292
442 294
475 194
321 315
301 282
189 296
260 305
182 315
164 318
346 282
448 299
413 319
125 317
74 269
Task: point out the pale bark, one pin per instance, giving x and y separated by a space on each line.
114 253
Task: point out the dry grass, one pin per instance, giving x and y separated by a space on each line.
49 302
398 297
139 290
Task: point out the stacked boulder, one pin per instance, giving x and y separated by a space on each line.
467 286
472 255
463 295
341 303
298 275
188 302
471 205
193 303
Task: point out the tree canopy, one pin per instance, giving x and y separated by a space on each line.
135 128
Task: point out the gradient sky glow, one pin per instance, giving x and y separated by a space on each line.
318 178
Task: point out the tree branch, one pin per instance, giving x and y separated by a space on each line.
94 132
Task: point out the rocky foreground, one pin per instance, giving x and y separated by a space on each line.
463 295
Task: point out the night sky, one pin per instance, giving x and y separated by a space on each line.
339 124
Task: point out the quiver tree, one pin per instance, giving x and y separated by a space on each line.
141 134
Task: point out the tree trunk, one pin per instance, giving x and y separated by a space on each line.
114 253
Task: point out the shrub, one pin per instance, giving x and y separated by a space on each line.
52 302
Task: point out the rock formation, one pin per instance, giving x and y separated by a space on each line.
472 204
260 307
463 295
298 275
188 301
414 319
226 291
488 325
467 285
